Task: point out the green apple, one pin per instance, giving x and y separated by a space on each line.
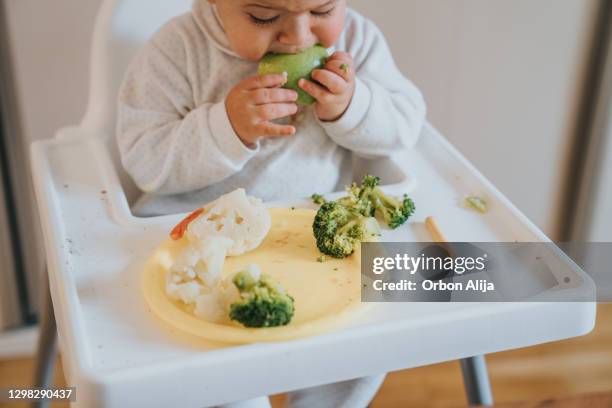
297 66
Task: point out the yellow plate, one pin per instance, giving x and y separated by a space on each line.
326 293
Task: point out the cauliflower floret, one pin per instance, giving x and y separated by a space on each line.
231 225
211 307
202 259
186 292
241 218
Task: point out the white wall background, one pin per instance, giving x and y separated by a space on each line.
50 47
502 78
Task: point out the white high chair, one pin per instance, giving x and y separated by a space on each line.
77 184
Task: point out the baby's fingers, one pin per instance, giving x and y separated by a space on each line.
264 81
273 111
273 95
332 81
316 91
340 56
269 129
342 64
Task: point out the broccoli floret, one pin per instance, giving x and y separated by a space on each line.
370 181
318 199
341 225
372 201
263 302
357 200
354 201
338 229
393 211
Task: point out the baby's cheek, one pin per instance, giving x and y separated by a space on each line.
250 50
251 53
329 33
251 46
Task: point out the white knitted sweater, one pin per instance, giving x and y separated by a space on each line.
178 145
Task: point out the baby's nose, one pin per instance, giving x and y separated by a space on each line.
297 33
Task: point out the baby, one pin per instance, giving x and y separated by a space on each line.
196 122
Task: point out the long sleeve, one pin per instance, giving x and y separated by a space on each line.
167 143
387 111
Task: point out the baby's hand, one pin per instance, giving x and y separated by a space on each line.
255 102
336 84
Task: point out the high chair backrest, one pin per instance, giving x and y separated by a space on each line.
121 27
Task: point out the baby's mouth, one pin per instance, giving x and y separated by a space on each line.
289 50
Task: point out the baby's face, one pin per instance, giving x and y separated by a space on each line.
255 27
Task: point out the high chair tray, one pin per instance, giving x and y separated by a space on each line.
117 353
